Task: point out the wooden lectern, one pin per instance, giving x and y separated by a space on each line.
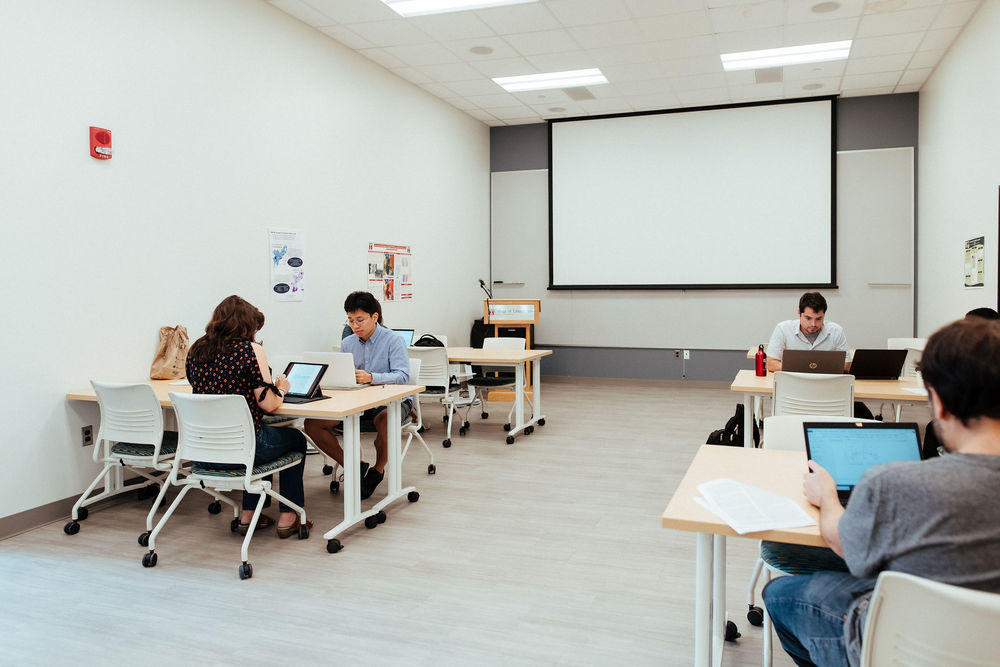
520 313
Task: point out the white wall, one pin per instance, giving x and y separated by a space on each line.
227 117
959 172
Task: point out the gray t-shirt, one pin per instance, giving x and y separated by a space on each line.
937 519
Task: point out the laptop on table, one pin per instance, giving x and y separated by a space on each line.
406 335
339 369
814 361
877 364
848 449
303 379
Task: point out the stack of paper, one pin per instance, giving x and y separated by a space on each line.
748 509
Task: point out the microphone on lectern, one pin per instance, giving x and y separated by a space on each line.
483 285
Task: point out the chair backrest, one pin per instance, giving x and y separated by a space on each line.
415 365
214 429
813 394
920 623
910 363
503 343
904 343
129 413
433 366
785 431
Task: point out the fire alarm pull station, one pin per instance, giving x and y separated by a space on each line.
100 143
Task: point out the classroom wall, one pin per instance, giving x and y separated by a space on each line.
228 117
959 172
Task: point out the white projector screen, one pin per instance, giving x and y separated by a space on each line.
711 198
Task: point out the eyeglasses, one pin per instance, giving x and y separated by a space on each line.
357 322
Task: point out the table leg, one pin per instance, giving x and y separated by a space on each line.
536 391
352 482
748 417
395 466
704 574
718 598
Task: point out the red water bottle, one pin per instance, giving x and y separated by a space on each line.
760 362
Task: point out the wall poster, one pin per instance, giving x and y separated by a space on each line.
390 271
975 259
286 251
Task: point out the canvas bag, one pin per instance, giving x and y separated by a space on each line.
171 353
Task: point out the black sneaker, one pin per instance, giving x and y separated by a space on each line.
370 482
364 468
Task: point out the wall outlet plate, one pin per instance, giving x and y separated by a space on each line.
87 435
687 354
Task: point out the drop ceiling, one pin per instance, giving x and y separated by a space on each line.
656 54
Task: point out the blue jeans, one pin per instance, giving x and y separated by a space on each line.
272 442
808 613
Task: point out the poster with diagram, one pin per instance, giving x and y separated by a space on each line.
285 258
390 271
975 260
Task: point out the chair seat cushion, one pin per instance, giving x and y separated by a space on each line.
132 449
440 390
227 470
799 559
490 382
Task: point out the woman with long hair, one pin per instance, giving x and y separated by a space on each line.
228 360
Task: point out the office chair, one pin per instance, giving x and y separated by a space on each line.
813 394
488 380
435 377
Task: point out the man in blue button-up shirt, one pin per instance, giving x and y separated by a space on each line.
379 356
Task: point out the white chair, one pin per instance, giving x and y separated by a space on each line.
411 429
785 432
131 437
922 623
813 394
914 350
490 380
435 377
218 429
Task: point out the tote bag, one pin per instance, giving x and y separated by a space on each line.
168 364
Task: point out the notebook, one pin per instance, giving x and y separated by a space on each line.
813 361
303 379
406 335
877 364
848 449
339 372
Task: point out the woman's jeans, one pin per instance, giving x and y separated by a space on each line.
272 442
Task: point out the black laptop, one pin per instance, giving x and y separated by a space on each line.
848 449
877 364
303 379
814 361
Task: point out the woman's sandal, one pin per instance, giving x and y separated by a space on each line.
292 529
263 522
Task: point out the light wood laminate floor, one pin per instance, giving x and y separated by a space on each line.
547 552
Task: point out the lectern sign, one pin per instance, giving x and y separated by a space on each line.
511 311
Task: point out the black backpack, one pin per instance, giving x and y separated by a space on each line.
732 434
427 340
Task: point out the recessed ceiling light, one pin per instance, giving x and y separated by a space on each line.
825 7
570 79
812 86
481 50
418 7
557 109
789 55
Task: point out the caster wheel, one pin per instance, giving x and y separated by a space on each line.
756 616
431 469
381 516
510 440
334 486
215 508
413 496
245 570
333 546
71 528
466 424
234 525
304 532
485 415
528 430
506 427
144 539
446 444
82 514
371 521
461 431
444 420
327 470
541 422
143 493
732 632
149 559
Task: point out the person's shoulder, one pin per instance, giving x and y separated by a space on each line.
833 327
786 327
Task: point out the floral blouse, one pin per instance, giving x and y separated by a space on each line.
234 371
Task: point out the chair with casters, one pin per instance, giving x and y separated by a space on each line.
816 394
488 380
914 350
785 432
925 623
131 437
435 377
217 431
411 429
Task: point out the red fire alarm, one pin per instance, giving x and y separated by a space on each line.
100 143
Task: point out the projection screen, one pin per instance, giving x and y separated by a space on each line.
712 198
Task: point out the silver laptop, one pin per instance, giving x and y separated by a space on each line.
339 372
406 335
814 361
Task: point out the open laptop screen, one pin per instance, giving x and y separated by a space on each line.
406 335
848 449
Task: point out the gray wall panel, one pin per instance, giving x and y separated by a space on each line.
519 147
643 363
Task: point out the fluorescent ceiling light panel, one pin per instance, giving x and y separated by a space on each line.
790 55
571 79
418 7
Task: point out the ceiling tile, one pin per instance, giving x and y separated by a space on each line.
546 41
912 88
699 82
740 18
382 57
474 87
895 23
505 67
955 15
710 97
623 55
915 76
689 66
354 11
750 40
390 33
801 12
608 34
927 58
523 121
896 63
686 48
437 89
817 33
870 80
745 77
605 106
675 26
422 54
412 74
495 101
460 103
562 62
885 46
450 72
516 111
554 97
628 88
303 12
453 25
757 91
641 72
460 48
518 18
828 86
345 36
834 68
588 12
642 8
484 116
939 39
866 92
654 101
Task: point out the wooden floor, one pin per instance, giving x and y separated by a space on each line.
547 552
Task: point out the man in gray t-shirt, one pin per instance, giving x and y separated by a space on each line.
937 519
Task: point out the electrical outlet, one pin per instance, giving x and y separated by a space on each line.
677 354
87 435
687 354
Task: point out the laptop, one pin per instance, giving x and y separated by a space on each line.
303 379
339 369
814 361
877 364
848 449
406 335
